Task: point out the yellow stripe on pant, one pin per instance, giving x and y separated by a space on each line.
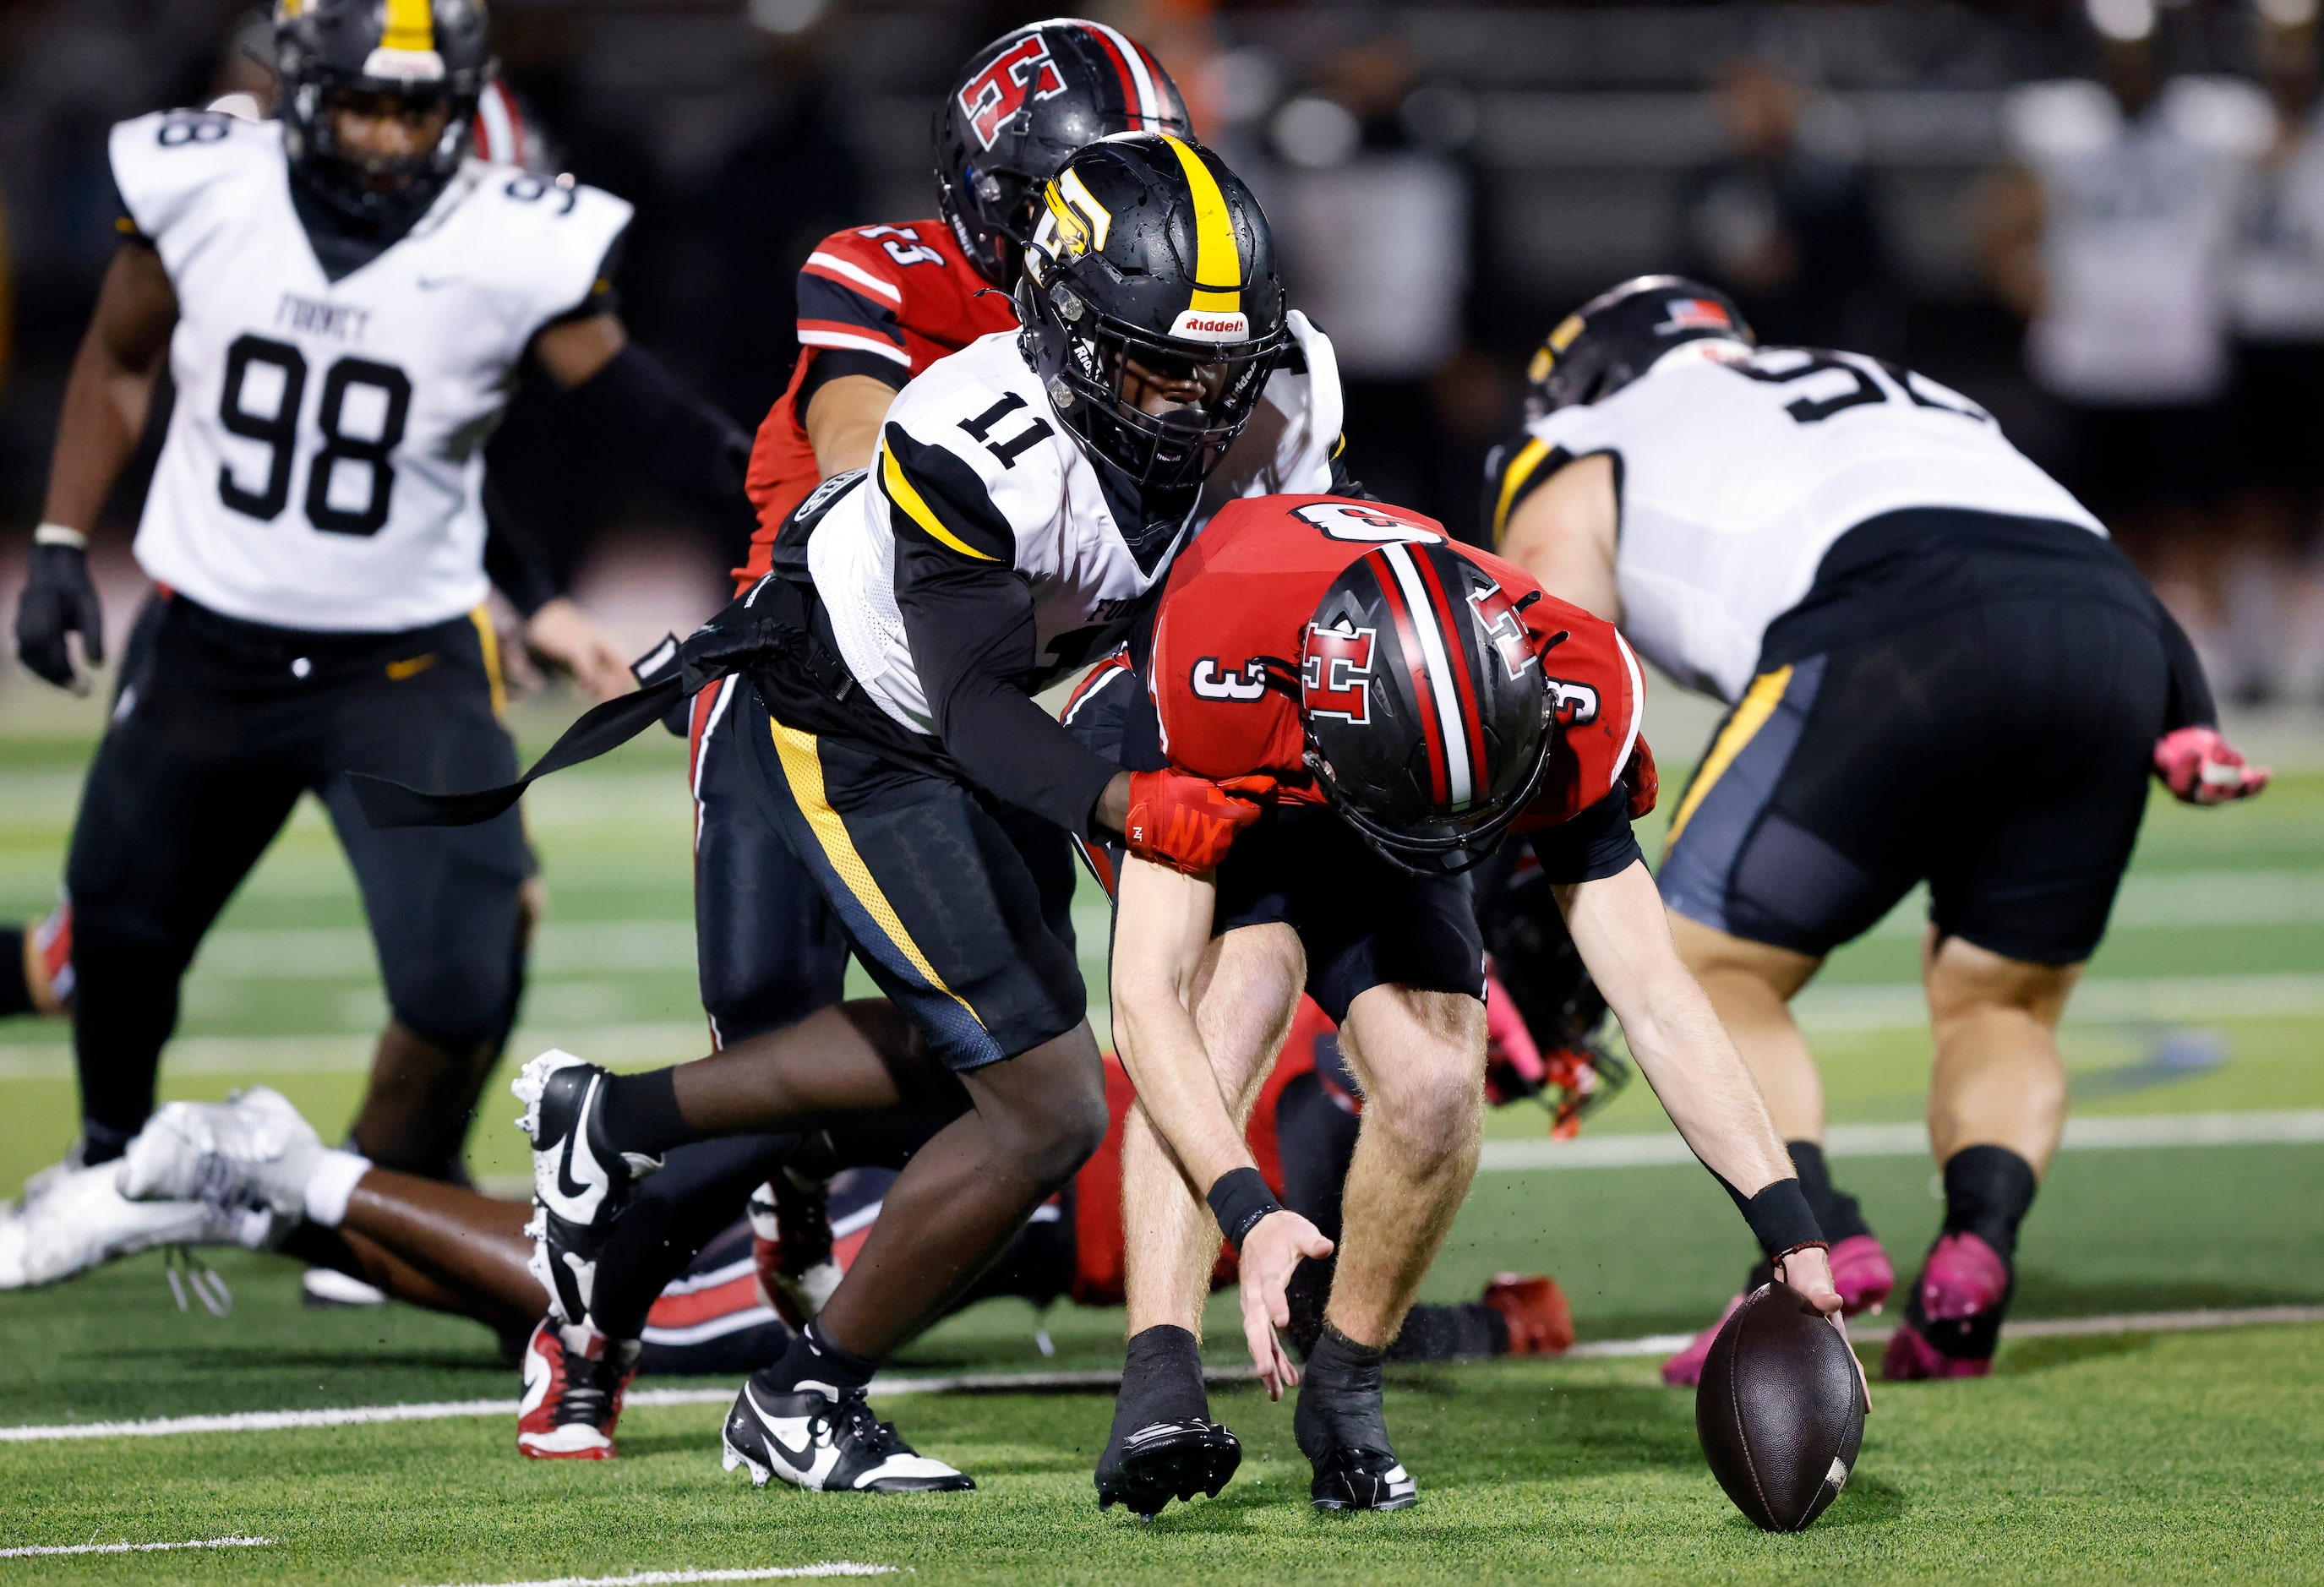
1751 714
803 768
490 643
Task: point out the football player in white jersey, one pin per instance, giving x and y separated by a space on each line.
1940 670
345 300
1023 509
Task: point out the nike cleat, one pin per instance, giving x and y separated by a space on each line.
1861 1273
816 1437
1952 1323
252 1149
1684 1369
573 1380
792 1247
580 1184
1163 1461
1539 1320
82 1221
1341 1427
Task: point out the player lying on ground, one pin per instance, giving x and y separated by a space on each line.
344 301
1400 703
1940 670
250 1171
1027 497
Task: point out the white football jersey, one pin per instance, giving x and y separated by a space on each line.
984 407
325 458
2277 288
1736 475
2138 219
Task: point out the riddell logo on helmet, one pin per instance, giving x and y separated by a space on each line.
1694 314
1198 325
1024 71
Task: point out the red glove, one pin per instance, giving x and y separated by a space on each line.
1189 823
2200 768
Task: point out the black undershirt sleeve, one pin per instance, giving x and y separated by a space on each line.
2191 704
512 560
1595 844
829 364
678 440
968 617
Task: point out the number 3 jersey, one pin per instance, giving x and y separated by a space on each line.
325 459
1735 476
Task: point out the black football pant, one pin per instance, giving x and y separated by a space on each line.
218 727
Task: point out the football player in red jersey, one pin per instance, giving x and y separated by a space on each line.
877 306
1409 702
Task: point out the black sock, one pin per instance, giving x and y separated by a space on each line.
811 1355
16 990
1161 1381
641 1112
1987 1189
1340 1397
1836 1212
101 1143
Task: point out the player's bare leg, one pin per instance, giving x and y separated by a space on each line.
1996 1109
1750 986
421 1096
1420 1058
1162 1444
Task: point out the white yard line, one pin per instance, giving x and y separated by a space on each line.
1912 1141
236 1541
838 1567
1055 1382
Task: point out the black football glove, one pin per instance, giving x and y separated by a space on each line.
58 599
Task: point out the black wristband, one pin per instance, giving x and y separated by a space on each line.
1239 1200
1779 1217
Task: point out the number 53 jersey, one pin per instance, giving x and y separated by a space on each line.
325 460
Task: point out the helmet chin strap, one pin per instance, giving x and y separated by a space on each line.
1474 848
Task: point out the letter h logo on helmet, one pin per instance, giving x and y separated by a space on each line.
1336 673
993 96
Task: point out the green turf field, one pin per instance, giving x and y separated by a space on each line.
2143 1456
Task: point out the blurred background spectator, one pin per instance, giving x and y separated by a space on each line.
2104 219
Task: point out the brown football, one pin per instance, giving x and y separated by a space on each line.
1780 1409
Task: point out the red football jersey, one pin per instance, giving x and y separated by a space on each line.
902 294
1246 590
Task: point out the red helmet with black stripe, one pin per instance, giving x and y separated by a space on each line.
1427 719
1026 102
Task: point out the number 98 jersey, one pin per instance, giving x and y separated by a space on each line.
325 460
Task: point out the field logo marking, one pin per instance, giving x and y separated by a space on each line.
234 1540
838 1567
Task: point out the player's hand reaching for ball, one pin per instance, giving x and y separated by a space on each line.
1809 1270
1186 823
1271 1252
563 636
2201 768
59 599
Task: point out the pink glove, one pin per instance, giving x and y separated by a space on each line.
2200 768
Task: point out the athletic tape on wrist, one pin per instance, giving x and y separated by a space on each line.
1780 1218
1239 1200
58 534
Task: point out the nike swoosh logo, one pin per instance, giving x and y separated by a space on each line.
429 283
799 1456
399 670
576 1153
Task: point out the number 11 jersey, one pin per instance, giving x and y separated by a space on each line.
324 465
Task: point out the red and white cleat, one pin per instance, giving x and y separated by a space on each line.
573 1380
1540 1322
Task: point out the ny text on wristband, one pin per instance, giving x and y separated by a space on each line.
1239 1200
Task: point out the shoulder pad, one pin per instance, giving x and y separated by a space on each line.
555 236
162 163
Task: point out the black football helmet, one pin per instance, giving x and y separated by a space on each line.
1616 337
1152 262
1427 722
1025 102
419 50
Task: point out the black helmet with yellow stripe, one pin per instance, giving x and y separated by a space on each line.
1153 314
1616 337
417 59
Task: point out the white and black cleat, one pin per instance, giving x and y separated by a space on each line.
816 1436
580 1184
1162 1460
1363 1478
252 1149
